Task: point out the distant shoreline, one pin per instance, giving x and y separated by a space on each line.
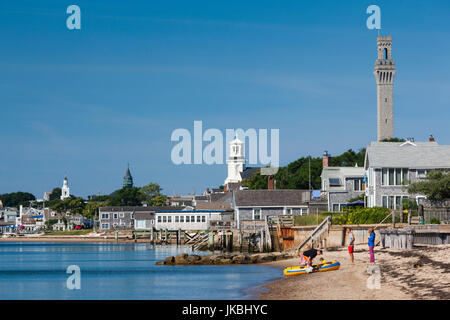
73 239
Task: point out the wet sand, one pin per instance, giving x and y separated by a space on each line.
421 273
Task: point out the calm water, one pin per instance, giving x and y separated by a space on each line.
119 271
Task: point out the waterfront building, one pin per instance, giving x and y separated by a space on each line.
258 204
390 166
123 218
189 220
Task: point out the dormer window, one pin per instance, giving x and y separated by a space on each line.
334 182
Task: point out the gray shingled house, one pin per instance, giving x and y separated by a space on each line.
112 218
258 204
390 166
340 184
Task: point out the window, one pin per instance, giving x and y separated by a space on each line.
421 173
335 207
303 211
203 218
394 177
187 218
115 216
334 182
105 225
121 215
198 218
289 211
391 177
177 219
358 185
256 214
182 219
169 219
384 201
159 218
105 215
164 219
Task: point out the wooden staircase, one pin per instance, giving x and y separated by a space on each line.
317 235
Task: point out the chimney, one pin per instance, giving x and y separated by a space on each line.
270 182
326 159
431 138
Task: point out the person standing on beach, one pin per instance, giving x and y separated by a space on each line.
371 244
351 244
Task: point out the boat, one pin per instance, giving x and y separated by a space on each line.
324 266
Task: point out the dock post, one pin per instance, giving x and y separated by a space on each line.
211 241
261 241
151 236
178 237
230 241
165 236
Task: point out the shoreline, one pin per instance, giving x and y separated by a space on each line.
75 238
421 273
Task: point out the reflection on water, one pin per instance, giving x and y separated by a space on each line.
118 271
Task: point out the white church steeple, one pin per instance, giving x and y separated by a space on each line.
65 191
236 161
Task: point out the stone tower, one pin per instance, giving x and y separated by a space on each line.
384 75
236 161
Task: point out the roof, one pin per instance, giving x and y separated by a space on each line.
143 215
142 209
213 206
273 198
249 172
342 172
220 197
412 155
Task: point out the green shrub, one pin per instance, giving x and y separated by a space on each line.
362 216
435 220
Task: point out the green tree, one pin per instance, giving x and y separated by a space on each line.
436 187
296 174
15 199
151 190
159 200
55 194
128 196
91 209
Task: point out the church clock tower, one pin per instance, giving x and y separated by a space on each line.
65 191
384 76
236 161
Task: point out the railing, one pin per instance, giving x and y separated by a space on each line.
317 232
221 225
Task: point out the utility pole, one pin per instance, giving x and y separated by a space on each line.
309 170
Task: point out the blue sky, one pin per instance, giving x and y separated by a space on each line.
88 101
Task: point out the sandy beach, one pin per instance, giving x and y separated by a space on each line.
422 273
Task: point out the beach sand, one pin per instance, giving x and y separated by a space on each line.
421 273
